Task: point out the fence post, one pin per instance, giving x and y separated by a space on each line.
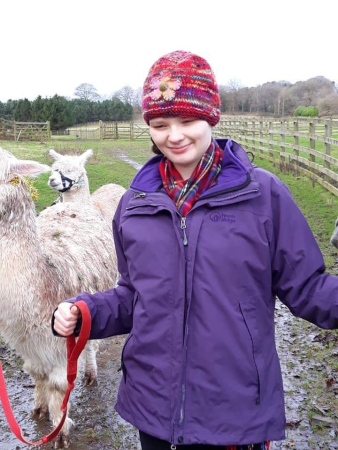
312 131
261 135
245 125
100 130
131 131
271 140
14 130
296 140
48 129
282 136
328 131
116 130
253 148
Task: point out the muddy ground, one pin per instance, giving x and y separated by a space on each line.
97 425
309 360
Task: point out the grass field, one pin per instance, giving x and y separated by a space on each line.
318 205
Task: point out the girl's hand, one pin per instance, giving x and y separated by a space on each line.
65 318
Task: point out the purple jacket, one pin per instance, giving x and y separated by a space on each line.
200 363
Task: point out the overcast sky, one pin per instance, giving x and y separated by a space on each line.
50 47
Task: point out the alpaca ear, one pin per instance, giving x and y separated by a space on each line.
55 155
28 168
85 156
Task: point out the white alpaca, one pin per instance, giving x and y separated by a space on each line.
334 237
68 249
69 177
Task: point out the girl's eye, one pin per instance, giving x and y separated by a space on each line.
158 126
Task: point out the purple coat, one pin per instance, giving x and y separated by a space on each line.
200 363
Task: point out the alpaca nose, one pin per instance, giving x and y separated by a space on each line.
51 179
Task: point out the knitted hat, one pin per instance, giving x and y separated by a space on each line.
181 84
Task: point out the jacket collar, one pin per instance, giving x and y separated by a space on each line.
237 171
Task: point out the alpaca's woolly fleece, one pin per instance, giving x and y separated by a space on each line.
181 84
67 249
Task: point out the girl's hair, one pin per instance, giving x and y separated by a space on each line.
155 149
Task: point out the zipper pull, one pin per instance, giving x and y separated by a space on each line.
140 194
183 227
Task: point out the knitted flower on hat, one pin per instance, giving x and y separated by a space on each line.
181 84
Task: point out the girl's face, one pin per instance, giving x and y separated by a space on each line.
182 140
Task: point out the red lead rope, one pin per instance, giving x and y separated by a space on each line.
74 349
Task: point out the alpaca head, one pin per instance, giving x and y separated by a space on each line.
15 194
68 172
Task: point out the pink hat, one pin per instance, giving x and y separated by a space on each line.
181 84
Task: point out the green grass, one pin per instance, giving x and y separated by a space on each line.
317 204
104 167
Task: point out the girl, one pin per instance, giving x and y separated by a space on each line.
205 242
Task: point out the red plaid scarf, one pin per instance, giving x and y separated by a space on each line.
185 193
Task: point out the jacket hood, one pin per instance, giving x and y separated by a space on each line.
236 170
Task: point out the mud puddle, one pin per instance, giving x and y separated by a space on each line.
308 358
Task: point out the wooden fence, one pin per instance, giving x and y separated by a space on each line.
24 131
110 130
301 145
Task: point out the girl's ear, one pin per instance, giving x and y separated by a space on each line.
84 157
55 155
28 168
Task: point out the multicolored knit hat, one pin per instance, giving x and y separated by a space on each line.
181 84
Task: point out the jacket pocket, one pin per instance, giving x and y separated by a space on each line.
248 311
123 366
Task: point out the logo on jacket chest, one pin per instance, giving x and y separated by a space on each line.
221 217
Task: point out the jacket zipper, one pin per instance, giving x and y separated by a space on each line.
258 399
123 367
183 228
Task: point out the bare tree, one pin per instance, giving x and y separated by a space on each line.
137 100
86 91
125 94
328 106
233 86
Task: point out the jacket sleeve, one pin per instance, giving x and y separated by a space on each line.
111 311
298 269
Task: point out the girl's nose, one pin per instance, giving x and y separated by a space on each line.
175 134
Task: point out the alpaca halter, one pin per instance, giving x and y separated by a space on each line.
79 183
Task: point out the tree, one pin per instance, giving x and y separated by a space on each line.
328 106
125 94
233 86
23 111
86 91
